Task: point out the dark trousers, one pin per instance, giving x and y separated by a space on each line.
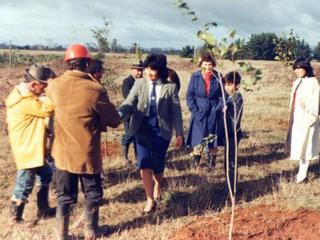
67 188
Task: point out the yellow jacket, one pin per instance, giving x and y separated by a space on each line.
26 125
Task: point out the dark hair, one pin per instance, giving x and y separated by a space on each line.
305 64
232 77
80 64
96 65
157 62
206 57
173 77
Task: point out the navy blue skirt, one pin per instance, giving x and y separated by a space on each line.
151 151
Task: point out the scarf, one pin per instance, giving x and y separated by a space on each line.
207 76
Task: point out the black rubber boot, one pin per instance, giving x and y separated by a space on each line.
44 211
16 211
211 161
196 161
63 214
91 222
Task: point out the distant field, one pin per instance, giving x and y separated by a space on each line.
32 52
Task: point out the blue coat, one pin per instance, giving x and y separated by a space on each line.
205 110
231 116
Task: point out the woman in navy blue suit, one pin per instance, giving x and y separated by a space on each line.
204 102
155 107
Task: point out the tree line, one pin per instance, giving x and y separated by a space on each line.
260 46
269 46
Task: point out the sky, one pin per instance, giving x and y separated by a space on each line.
153 23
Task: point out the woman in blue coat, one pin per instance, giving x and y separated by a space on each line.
204 102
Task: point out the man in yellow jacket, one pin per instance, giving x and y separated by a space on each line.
82 110
26 115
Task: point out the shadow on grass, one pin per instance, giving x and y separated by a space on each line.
208 196
132 196
247 156
116 176
267 153
181 164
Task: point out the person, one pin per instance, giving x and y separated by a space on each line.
204 102
233 113
136 73
174 77
96 69
83 109
156 111
26 115
303 130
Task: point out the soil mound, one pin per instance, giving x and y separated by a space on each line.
260 222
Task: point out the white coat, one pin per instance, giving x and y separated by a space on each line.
305 127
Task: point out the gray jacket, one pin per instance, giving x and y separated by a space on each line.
169 108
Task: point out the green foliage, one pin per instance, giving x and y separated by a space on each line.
302 49
285 47
101 36
261 46
187 52
186 9
250 77
316 51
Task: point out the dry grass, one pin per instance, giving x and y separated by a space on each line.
265 172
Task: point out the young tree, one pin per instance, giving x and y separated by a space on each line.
114 45
285 47
101 35
220 50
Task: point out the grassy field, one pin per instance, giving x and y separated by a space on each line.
265 173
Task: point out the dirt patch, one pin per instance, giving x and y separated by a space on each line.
260 222
110 148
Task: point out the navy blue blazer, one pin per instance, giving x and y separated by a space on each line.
205 110
234 111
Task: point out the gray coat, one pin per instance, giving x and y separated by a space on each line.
169 108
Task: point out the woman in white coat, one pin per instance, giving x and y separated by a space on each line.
303 132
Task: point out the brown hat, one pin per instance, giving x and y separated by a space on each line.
40 73
137 66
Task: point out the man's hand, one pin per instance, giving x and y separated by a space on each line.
179 142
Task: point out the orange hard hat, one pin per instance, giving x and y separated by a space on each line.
75 51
